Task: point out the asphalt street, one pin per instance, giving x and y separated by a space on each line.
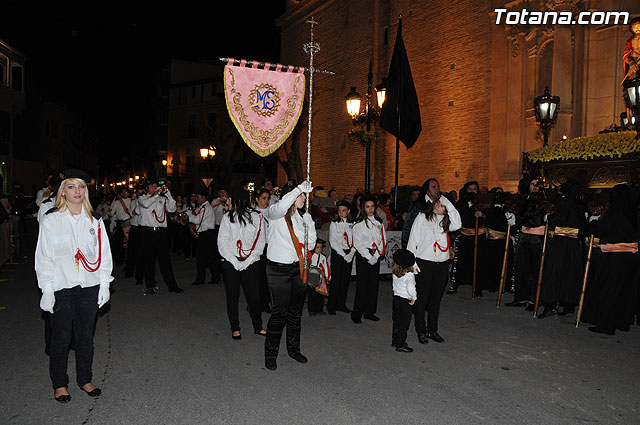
169 359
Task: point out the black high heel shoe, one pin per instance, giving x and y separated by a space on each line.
260 332
239 336
64 398
93 393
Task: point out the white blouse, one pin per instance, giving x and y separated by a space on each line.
427 239
368 237
237 240
154 209
62 236
204 219
337 232
405 286
280 246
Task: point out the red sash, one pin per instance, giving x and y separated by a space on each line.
88 265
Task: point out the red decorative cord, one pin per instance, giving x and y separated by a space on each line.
346 238
88 265
164 213
239 244
201 218
384 244
437 245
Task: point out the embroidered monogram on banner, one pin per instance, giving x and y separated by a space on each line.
263 105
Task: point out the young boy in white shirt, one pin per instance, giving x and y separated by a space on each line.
404 296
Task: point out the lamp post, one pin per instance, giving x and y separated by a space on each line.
631 90
365 119
207 153
546 108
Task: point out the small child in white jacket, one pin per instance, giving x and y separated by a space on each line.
404 296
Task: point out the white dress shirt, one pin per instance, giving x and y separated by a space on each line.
280 246
337 231
218 211
237 239
119 212
321 262
135 212
405 286
425 234
367 237
203 218
154 209
61 235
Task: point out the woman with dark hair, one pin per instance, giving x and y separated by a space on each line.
429 193
288 223
356 205
610 301
429 241
262 200
73 264
342 252
241 241
369 239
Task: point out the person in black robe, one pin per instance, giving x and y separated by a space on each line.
466 240
490 259
564 262
610 302
529 251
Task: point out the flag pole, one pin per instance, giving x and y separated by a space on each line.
395 193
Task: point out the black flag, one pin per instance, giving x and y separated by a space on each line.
400 108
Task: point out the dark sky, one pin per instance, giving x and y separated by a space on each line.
100 61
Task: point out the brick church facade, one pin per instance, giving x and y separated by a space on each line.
476 82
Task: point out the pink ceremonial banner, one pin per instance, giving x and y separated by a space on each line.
263 105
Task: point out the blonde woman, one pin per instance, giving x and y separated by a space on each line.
73 264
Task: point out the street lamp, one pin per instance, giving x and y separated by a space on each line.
631 89
207 152
362 121
546 108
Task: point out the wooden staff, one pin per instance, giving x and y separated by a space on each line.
505 260
544 250
584 281
475 261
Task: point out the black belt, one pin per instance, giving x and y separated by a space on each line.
275 263
155 229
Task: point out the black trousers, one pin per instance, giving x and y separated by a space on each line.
287 298
401 316
73 313
315 301
205 257
249 279
215 271
340 279
155 244
117 247
265 297
367 282
430 285
135 261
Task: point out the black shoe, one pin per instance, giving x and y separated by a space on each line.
270 364
404 349
148 291
260 333
344 309
373 317
452 291
599 330
198 283
66 398
567 311
516 304
236 337
298 357
547 312
435 336
93 393
356 319
176 289
422 338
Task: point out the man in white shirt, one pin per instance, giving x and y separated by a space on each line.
154 206
121 215
203 218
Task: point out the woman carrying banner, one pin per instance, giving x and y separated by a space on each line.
429 241
73 264
286 248
369 239
241 242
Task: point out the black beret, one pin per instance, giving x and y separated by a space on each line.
322 241
202 192
72 173
404 258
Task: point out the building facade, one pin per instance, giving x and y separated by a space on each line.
476 81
